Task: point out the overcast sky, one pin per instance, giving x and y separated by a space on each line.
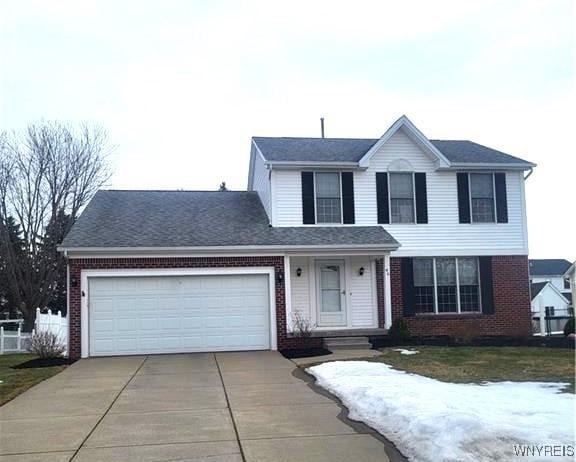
181 86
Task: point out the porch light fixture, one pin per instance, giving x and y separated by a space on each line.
279 276
361 271
298 272
73 281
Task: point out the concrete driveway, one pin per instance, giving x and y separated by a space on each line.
223 407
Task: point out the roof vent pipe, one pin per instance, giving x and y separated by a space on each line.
322 126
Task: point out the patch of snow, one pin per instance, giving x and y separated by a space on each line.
434 421
406 352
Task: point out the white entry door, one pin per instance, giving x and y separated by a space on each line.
176 314
331 293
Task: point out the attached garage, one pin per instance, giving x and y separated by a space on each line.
145 312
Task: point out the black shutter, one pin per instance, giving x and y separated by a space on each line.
308 214
407 269
501 200
463 198
382 198
348 198
421 198
486 289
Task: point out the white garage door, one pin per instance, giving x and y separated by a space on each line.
172 314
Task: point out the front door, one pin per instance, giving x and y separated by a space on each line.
331 293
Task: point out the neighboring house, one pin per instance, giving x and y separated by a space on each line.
570 274
550 308
352 234
552 270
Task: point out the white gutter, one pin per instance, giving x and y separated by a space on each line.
287 165
485 166
315 164
222 249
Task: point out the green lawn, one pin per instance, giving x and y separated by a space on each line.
478 364
16 381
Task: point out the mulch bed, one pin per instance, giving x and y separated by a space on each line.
44 362
305 353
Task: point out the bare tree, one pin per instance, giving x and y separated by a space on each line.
47 175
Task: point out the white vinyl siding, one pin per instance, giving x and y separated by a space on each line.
557 281
287 194
361 291
261 181
443 234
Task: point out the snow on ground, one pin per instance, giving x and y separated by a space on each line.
435 421
406 352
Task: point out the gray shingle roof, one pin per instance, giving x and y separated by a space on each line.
200 219
536 288
549 267
352 150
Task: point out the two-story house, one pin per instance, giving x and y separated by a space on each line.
345 234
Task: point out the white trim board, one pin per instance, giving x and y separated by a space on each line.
85 295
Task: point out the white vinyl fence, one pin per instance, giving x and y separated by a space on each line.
13 340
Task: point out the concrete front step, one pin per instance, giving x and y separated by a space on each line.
347 343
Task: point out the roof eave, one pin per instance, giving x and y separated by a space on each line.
295 165
226 249
487 165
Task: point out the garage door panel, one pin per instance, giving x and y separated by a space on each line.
136 315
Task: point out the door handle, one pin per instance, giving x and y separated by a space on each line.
343 292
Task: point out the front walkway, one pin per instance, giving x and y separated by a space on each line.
223 407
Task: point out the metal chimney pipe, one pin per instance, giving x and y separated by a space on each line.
322 126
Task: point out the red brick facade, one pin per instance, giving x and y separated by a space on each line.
510 279
512 313
77 265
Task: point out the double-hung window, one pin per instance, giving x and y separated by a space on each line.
482 198
446 285
402 198
328 198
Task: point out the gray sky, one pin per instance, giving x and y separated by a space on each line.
181 86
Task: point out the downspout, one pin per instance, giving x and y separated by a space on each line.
529 173
67 301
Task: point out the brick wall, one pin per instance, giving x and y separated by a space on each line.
77 265
512 313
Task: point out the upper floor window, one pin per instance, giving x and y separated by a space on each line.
446 285
482 198
328 198
566 283
402 198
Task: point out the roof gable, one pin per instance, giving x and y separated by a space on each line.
540 287
404 124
